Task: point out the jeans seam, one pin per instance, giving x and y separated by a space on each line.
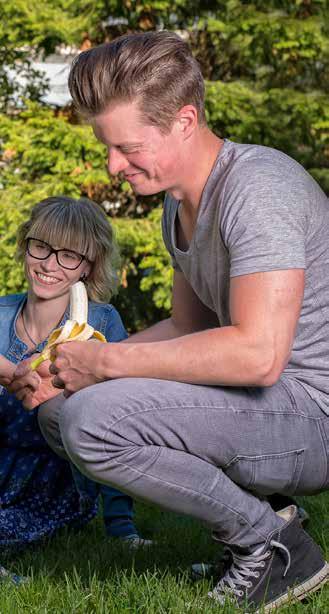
296 455
290 395
227 409
260 457
190 490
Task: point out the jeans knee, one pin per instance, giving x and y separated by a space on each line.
92 434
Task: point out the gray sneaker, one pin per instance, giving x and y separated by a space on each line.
289 567
280 502
203 571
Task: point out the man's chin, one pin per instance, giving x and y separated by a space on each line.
145 190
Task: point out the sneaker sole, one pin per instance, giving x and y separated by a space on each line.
299 592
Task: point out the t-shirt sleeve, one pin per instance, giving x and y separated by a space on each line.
264 218
168 219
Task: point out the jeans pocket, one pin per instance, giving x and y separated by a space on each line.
268 473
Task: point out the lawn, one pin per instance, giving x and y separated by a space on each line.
86 573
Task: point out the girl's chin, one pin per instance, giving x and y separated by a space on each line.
43 290
39 287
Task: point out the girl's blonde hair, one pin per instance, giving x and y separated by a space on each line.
82 226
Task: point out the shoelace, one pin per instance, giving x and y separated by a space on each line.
245 566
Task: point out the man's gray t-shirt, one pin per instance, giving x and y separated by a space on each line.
261 211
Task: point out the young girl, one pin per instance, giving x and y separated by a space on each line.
64 241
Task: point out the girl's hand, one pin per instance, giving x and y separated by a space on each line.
32 387
7 370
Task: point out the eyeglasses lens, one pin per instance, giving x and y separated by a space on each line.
65 258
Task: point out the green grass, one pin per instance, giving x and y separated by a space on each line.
86 573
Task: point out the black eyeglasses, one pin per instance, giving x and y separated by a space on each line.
65 257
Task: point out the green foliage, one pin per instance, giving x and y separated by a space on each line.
43 23
25 27
46 23
267 70
295 122
38 146
273 49
145 295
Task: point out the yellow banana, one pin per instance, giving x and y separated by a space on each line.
76 328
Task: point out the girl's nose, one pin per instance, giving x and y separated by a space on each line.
50 263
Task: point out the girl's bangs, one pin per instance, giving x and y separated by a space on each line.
65 231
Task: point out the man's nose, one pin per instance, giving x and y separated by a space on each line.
116 161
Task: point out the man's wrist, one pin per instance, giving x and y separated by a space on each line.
111 361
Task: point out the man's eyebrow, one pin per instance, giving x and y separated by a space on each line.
125 144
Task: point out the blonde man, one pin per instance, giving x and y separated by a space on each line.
228 399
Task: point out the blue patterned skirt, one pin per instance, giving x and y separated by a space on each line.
37 492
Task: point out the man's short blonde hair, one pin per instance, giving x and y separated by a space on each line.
82 226
156 69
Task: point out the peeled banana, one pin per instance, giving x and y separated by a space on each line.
76 328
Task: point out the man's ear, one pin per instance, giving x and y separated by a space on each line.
187 120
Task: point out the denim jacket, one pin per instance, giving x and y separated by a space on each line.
102 317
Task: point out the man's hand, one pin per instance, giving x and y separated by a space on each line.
77 365
32 387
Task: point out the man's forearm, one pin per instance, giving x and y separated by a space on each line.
212 357
162 331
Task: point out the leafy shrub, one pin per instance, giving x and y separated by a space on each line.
145 294
40 147
295 122
271 48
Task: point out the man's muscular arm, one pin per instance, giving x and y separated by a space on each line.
252 351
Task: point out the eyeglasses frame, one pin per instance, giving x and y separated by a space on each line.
54 251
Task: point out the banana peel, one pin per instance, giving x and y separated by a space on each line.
76 328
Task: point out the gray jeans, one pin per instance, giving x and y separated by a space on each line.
210 452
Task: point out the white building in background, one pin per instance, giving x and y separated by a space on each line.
58 94
55 70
